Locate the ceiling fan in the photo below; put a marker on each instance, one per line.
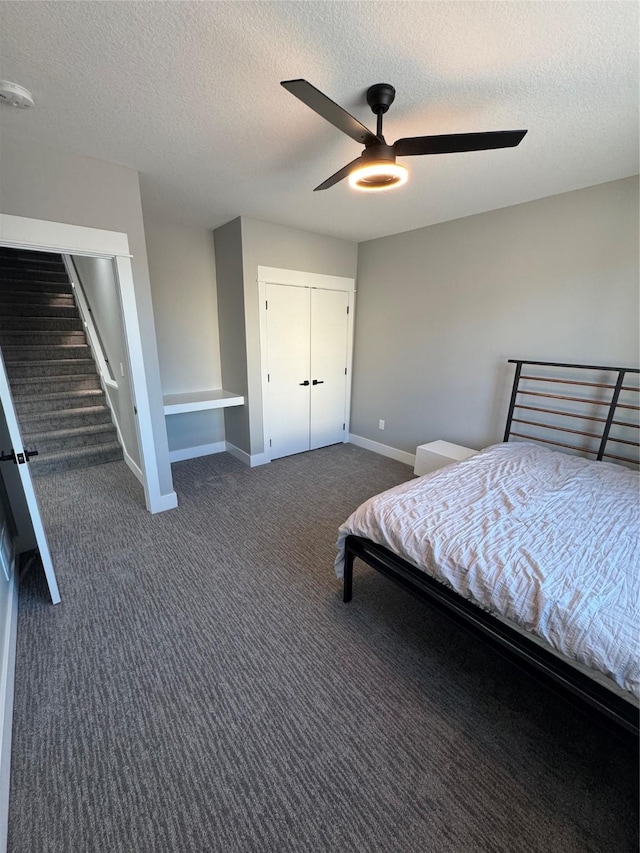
(376, 167)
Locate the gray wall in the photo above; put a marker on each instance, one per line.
(97, 276)
(41, 182)
(440, 309)
(182, 267)
(266, 244)
(241, 246)
(231, 318)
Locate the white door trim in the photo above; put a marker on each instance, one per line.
(19, 232)
(39, 234)
(297, 278)
(300, 279)
(347, 413)
(264, 376)
(133, 346)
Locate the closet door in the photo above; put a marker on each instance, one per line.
(287, 325)
(328, 346)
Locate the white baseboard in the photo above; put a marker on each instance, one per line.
(7, 676)
(194, 452)
(162, 503)
(133, 466)
(159, 504)
(383, 449)
(219, 447)
(250, 461)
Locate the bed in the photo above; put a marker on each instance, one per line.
(530, 545)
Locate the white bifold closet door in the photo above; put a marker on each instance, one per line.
(328, 345)
(289, 360)
(307, 344)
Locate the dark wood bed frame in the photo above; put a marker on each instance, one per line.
(609, 412)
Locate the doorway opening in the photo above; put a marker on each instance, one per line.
(39, 236)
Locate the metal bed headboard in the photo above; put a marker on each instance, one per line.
(600, 407)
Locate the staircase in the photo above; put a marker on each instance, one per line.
(61, 407)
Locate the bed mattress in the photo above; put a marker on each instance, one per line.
(546, 540)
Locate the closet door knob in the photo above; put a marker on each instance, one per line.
(306, 382)
(318, 381)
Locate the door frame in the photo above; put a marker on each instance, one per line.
(309, 280)
(18, 232)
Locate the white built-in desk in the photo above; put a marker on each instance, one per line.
(197, 401)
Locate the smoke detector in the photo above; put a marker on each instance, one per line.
(15, 95)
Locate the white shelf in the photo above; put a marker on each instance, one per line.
(197, 401)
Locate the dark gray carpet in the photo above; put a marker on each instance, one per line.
(202, 688)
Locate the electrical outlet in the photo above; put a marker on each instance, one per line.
(380, 424)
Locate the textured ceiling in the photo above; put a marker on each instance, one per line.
(188, 94)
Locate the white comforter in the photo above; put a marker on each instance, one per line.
(548, 540)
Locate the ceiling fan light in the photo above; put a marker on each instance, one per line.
(378, 176)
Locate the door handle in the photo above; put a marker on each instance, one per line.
(17, 458)
(306, 382)
(318, 381)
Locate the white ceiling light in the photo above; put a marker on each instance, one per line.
(15, 95)
(378, 176)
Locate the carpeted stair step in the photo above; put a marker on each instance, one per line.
(38, 310)
(25, 288)
(35, 285)
(40, 338)
(45, 353)
(51, 367)
(46, 266)
(56, 441)
(40, 272)
(29, 260)
(98, 454)
(37, 385)
(57, 401)
(13, 268)
(35, 298)
(24, 257)
(32, 323)
(17, 266)
(27, 256)
(64, 419)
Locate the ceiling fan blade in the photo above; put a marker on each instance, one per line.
(330, 111)
(452, 142)
(339, 176)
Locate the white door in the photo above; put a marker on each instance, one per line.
(19, 486)
(329, 342)
(288, 368)
(307, 335)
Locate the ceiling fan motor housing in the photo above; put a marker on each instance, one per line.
(380, 96)
(378, 153)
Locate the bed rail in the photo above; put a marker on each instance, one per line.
(602, 704)
(589, 409)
